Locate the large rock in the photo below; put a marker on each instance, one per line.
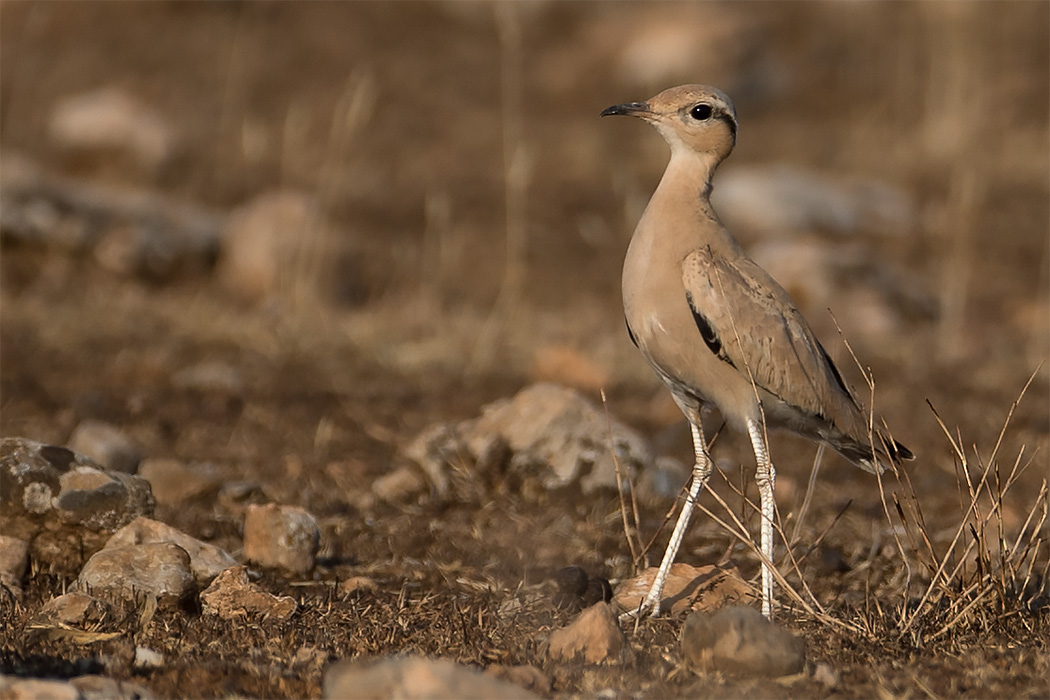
(414, 678)
(63, 503)
(552, 433)
(161, 569)
(206, 560)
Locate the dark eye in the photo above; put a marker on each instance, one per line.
(701, 112)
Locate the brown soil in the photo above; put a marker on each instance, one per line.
(410, 328)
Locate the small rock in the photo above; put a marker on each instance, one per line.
(263, 244)
(72, 609)
(210, 376)
(594, 637)
(414, 678)
(175, 482)
(402, 485)
(107, 445)
(530, 678)
(825, 675)
(663, 480)
(356, 584)
(236, 496)
(739, 641)
(161, 569)
(146, 658)
(14, 560)
(309, 656)
(281, 536)
(687, 588)
(102, 688)
(15, 688)
(112, 120)
(232, 595)
(206, 560)
(566, 365)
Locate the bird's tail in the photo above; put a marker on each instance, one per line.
(887, 452)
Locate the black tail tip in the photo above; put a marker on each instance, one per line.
(899, 453)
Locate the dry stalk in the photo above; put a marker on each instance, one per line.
(1003, 576)
(518, 160)
(635, 558)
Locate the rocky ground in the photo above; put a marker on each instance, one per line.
(313, 377)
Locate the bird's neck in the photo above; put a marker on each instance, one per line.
(685, 189)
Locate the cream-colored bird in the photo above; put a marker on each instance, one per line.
(718, 329)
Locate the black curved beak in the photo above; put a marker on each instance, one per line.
(629, 109)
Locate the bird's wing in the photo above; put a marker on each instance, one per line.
(746, 319)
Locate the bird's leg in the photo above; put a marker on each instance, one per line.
(766, 479)
(701, 472)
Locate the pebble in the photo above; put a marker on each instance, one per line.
(102, 688)
(403, 485)
(563, 364)
(107, 445)
(174, 482)
(414, 678)
(146, 658)
(14, 560)
(16, 688)
(211, 376)
(161, 569)
(206, 560)
(72, 609)
(594, 637)
(232, 595)
(663, 480)
(687, 588)
(79, 688)
(283, 537)
(356, 584)
(825, 675)
(262, 244)
(739, 641)
(530, 678)
(112, 120)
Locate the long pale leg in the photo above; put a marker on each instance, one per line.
(766, 479)
(701, 472)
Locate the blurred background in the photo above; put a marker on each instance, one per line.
(404, 210)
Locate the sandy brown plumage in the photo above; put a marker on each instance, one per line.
(717, 328)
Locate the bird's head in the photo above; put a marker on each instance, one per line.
(696, 118)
